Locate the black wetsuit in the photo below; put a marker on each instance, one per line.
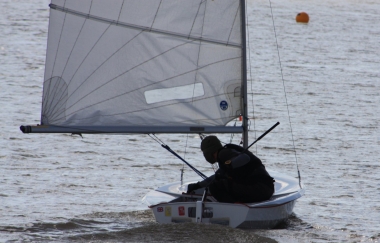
(241, 177)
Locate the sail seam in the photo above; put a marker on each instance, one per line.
(155, 16)
(138, 27)
(121, 9)
(195, 18)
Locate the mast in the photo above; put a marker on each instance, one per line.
(244, 74)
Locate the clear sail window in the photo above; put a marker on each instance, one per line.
(175, 93)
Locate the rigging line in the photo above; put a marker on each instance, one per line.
(121, 9)
(195, 18)
(187, 138)
(232, 134)
(141, 28)
(286, 99)
(155, 138)
(250, 74)
(184, 156)
(155, 16)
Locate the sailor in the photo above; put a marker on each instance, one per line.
(241, 176)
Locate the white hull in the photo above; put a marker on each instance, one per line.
(170, 205)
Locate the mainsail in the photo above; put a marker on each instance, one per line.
(143, 66)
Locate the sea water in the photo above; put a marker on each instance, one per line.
(320, 80)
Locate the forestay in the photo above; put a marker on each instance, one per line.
(143, 66)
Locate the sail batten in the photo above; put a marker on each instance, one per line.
(144, 64)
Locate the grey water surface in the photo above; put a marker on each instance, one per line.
(63, 188)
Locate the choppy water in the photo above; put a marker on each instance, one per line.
(63, 188)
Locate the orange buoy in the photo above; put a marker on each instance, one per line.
(302, 18)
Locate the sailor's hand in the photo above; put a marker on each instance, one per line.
(192, 187)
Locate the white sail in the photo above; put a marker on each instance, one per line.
(143, 64)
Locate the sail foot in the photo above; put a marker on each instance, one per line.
(129, 129)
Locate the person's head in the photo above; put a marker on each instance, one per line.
(209, 146)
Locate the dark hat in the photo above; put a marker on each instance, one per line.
(209, 146)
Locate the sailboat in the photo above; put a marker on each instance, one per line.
(153, 67)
